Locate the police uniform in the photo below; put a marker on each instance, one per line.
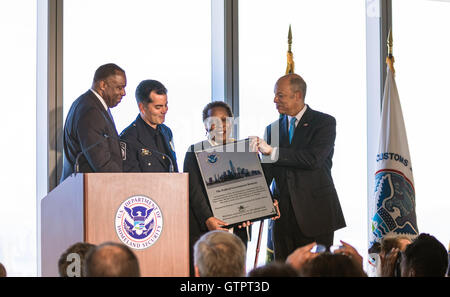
(140, 144)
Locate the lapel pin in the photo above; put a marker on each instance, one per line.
(305, 125)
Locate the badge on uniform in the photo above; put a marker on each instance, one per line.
(172, 147)
(123, 150)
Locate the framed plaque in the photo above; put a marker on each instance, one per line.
(235, 183)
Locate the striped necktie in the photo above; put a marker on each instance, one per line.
(292, 128)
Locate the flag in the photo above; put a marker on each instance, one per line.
(289, 70)
(392, 210)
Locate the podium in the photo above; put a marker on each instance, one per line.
(84, 207)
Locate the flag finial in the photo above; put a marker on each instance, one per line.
(289, 38)
(390, 58)
(290, 55)
(390, 43)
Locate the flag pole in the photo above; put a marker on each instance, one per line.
(258, 244)
(289, 69)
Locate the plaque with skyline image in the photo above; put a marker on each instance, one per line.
(235, 183)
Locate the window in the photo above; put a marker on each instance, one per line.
(329, 53)
(422, 67)
(149, 40)
(18, 118)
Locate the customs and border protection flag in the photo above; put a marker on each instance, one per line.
(392, 210)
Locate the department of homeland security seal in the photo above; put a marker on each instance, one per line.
(139, 222)
(212, 158)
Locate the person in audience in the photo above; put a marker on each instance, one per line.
(111, 260)
(448, 269)
(388, 243)
(303, 256)
(274, 269)
(328, 264)
(2, 271)
(71, 262)
(424, 257)
(220, 254)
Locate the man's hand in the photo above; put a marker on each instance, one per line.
(301, 255)
(213, 223)
(258, 144)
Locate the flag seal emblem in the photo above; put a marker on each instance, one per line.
(139, 222)
(395, 211)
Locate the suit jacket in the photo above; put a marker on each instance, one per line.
(87, 123)
(302, 172)
(138, 144)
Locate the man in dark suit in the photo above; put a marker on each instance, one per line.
(89, 131)
(297, 154)
(148, 143)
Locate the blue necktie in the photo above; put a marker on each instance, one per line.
(292, 128)
(111, 117)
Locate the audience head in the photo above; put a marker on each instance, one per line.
(424, 257)
(2, 270)
(76, 252)
(274, 269)
(394, 241)
(331, 265)
(390, 247)
(219, 253)
(111, 260)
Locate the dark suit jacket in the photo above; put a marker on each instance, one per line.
(302, 172)
(138, 143)
(87, 122)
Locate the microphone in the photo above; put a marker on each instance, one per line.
(171, 168)
(76, 166)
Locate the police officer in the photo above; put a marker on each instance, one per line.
(147, 144)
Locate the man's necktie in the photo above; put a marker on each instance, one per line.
(110, 116)
(292, 128)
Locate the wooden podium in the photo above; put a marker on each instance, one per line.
(83, 209)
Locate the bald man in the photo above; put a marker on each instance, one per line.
(111, 260)
(297, 156)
